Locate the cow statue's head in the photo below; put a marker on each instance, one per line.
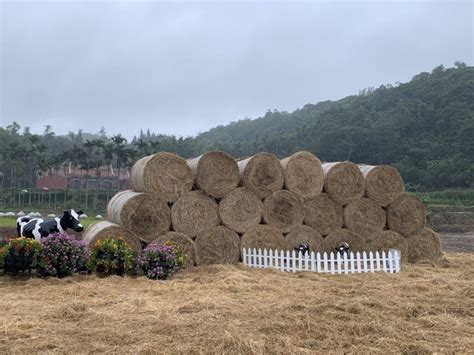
(70, 219)
(302, 248)
(343, 248)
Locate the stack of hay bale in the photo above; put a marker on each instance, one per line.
(212, 206)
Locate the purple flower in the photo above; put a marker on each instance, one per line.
(62, 255)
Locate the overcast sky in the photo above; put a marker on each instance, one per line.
(184, 68)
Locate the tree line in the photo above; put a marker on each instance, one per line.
(424, 127)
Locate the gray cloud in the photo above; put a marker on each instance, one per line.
(186, 67)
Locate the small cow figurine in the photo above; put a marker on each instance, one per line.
(303, 248)
(38, 228)
(343, 248)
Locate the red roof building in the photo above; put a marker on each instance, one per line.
(103, 178)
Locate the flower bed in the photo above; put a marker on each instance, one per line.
(160, 261)
(60, 255)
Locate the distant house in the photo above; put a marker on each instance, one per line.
(68, 177)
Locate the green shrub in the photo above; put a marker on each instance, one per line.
(3, 252)
(22, 254)
(111, 257)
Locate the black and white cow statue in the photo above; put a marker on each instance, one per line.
(343, 248)
(38, 228)
(303, 248)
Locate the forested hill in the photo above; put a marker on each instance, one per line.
(424, 127)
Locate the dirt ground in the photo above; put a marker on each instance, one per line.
(235, 309)
(462, 242)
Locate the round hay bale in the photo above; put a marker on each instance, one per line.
(385, 240)
(263, 236)
(425, 247)
(215, 173)
(364, 216)
(343, 181)
(218, 245)
(283, 210)
(323, 213)
(306, 234)
(145, 215)
(162, 173)
(240, 209)
(406, 215)
(183, 242)
(193, 213)
(383, 183)
(304, 175)
(262, 173)
(356, 241)
(107, 230)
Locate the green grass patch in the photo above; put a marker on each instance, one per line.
(10, 222)
(455, 198)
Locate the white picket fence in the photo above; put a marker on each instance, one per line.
(333, 263)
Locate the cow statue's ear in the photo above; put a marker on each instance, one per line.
(80, 212)
(66, 211)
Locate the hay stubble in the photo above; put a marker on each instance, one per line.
(364, 216)
(343, 181)
(217, 245)
(163, 173)
(232, 309)
(144, 215)
(193, 213)
(283, 210)
(263, 236)
(383, 183)
(240, 209)
(406, 215)
(323, 213)
(304, 174)
(262, 174)
(215, 173)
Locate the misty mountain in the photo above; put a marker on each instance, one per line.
(424, 127)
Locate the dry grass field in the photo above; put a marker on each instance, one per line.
(229, 309)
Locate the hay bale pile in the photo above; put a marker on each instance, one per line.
(212, 206)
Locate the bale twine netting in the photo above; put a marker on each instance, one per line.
(364, 216)
(262, 173)
(163, 173)
(343, 181)
(385, 240)
(323, 213)
(283, 210)
(425, 247)
(215, 173)
(193, 213)
(108, 230)
(263, 236)
(304, 175)
(306, 234)
(406, 215)
(356, 241)
(240, 209)
(217, 245)
(145, 215)
(184, 243)
(383, 183)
